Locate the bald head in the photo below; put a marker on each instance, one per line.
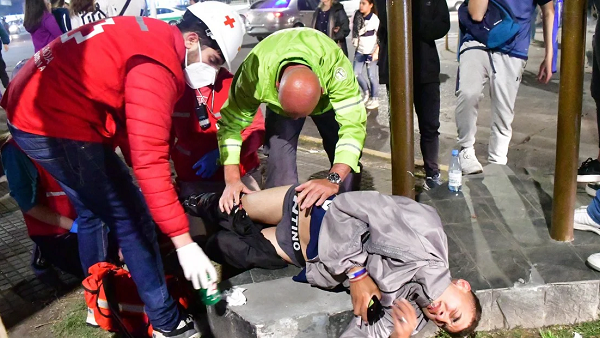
(299, 91)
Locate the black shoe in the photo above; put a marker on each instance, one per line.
(185, 329)
(432, 182)
(203, 205)
(589, 171)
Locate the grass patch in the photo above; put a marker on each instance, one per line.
(587, 330)
(73, 325)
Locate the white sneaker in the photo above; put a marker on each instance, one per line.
(365, 98)
(468, 162)
(594, 261)
(91, 320)
(373, 103)
(584, 222)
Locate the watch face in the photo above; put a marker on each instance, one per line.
(334, 178)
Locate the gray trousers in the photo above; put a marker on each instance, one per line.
(475, 69)
(281, 144)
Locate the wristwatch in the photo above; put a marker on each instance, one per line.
(334, 178)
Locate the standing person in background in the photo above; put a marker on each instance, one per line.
(503, 66)
(331, 19)
(61, 14)
(86, 11)
(5, 41)
(367, 51)
(431, 21)
(40, 23)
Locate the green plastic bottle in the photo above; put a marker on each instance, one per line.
(210, 296)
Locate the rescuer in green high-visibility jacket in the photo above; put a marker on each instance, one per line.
(296, 72)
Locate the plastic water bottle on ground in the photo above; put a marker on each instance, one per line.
(454, 173)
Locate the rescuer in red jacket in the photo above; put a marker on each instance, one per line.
(195, 154)
(123, 73)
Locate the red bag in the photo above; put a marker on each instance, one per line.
(111, 293)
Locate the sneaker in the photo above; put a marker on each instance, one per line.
(589, 171)
(185, 329)
(432, 182)
(373, 103)
(468, 162)
(594, 261)
(592, 188)
(584, 222)
(365, 98)
(91, 319)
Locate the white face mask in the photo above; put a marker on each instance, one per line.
(199, 74)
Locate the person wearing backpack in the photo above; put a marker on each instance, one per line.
(494, 48)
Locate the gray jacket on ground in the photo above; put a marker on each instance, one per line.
(400, 242)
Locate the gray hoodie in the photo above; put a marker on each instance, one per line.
(401, 243)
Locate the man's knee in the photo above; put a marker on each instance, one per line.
(468, 95)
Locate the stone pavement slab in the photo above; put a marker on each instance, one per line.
(498, 239)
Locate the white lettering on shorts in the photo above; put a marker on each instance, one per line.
(295, 240)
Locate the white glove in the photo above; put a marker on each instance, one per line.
(197, 268)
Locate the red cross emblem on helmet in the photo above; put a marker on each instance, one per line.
(229, 21)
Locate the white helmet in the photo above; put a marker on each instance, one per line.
(225, 24)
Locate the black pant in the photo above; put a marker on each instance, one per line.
(281, 143)
(61, 251)
(427, 106)
(3, 75)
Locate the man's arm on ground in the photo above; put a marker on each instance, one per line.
(548, 22)
(477, 9)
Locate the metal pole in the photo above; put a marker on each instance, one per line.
(569, 119)
(401, 97)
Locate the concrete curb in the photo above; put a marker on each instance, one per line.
(283, 308)
(371, 152)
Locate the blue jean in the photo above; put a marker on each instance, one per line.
(98, 183)
(593, 209)
(359, 63)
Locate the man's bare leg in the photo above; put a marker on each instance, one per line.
(265, 206)
(269, 234)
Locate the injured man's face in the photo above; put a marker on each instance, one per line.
(457, 310)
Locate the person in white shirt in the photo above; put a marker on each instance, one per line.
(86, 11)
(367, 52)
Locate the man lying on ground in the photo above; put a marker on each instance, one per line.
(390, 247)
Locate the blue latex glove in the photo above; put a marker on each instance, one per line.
(207, 166)
(74, 227)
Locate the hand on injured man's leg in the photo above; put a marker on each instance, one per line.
(315, 192)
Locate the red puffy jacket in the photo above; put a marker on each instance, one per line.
(118, 73)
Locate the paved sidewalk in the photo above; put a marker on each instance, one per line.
(498, 240)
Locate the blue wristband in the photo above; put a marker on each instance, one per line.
(357, 274)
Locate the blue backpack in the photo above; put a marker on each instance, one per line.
(497, 28)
